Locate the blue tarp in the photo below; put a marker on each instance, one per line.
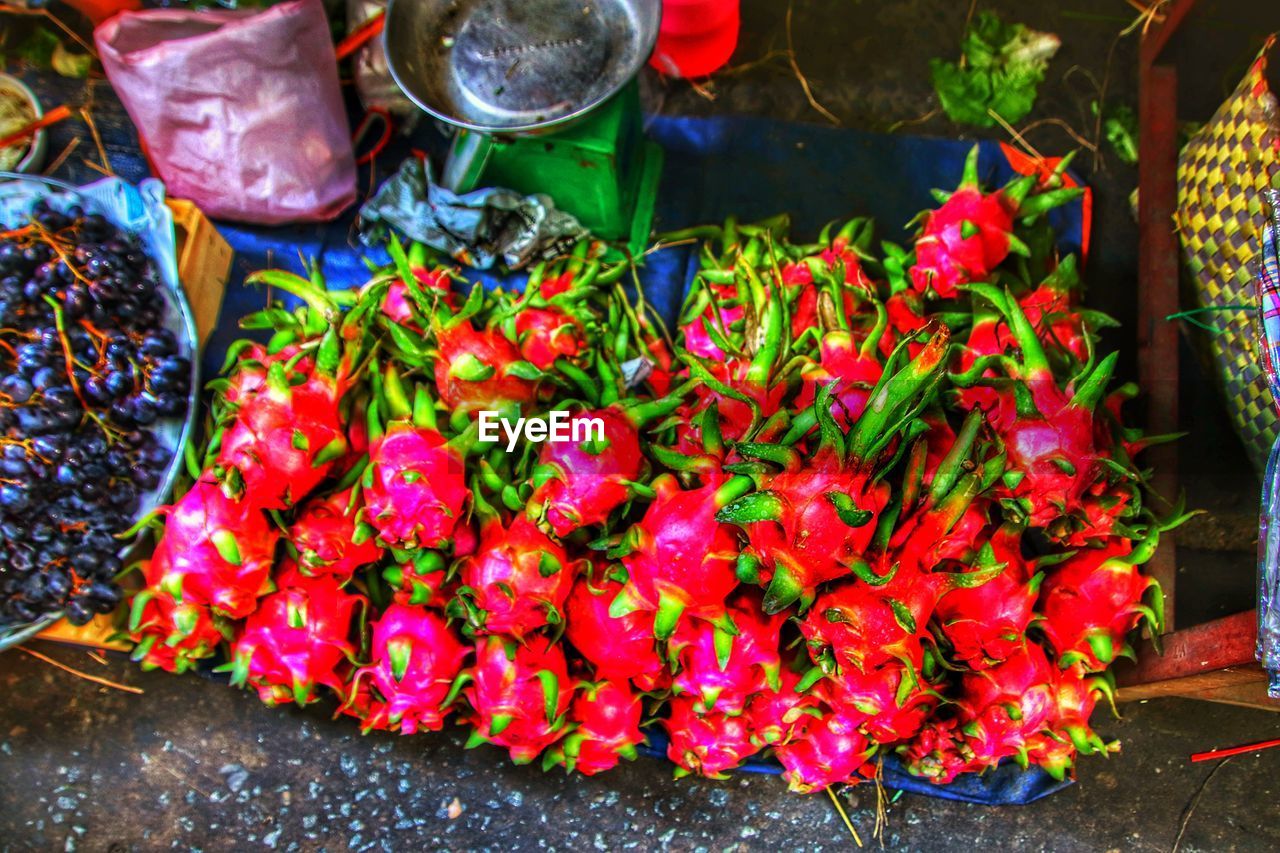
(749, 167)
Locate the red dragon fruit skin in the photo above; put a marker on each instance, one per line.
(169, 634)
(937, 752)
(827, 750)
(808, 544)
(706, 744)
(545, 334)
(606, 719)
(1049, 433)
(775, 717)
(890, 700)
(682, 559)
(721, 316)
(420, 580)
(435, 284)
(416, 658)
(854, 371)
(578, 484)
(619, 648)
(988, 623)
(519, 696)
(296, 640)
(723, 671)
(518, 579)
(964, 239)
(215, 551)
(972, 232)
(284, 439)
(1004, 707)
(473, 371)
(324, 535)
(946, 258)
(1093, 599)
(415, 489)
(867, 626)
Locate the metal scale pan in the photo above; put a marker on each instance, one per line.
(515, 66)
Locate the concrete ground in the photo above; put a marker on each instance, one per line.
(192, 764)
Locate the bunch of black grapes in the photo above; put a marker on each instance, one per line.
(86, 373)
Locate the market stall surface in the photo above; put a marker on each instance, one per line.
(192, 764)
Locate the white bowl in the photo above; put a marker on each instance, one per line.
(33, 160)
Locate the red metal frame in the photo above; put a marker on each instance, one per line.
(1213, 661)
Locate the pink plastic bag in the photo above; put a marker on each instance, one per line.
(240, 112)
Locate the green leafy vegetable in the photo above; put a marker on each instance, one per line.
(999, 69)
(1120, 126)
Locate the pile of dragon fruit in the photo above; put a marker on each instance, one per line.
(862, 501)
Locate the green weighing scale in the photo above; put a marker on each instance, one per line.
(544, 99)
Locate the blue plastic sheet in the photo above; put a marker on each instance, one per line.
(748, 167)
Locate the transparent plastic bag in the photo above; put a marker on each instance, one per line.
(1268, 293)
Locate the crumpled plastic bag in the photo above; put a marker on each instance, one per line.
(1268, 293)
(239, 111)
(476, 228)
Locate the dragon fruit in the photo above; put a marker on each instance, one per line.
(1059, 325)
(284, 437)
(325, 535)
(475, 370)
(890, 701)
(519, 696)
(431, 285)
(987, 623)
(775, 716)
(810, 525)
(828, 749)
(297, 639)
(420, 580)
(1003, 708)
(865, 625)
(283, 441)
(169, 634)
(619, 648)
(215, 551)
(680, 559)
(578, 484)
(1069, 733)
(722, 670)
(1094, 598)
(606, 728)
(414, 488)
(937, 752)
(416, 659)
(855, 368)
(546, 334)
(972, 232)
(1048, 433)
(517, 581)
(706, 744)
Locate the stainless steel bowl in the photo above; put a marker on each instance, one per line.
(516, 66)
(175, 434)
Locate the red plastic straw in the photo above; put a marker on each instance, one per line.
(361, 35)
(52, 117)
(1235, 750)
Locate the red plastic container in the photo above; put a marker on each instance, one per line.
(696, 37)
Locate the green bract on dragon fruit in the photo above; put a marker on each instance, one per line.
(860, 501)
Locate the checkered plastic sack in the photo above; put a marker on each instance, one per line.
(1222, 173)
